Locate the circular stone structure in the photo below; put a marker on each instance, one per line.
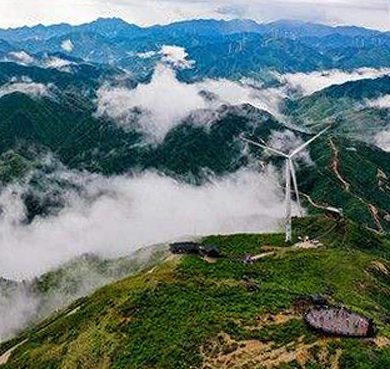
(339, 322)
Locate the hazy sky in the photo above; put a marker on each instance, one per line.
(369, 13)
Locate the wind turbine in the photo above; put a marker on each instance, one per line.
(290, 175)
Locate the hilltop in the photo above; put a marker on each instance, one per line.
(188, 312)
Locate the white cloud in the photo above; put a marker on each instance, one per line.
(67, 46)
(146, 55)
(308, 83)
(115, 216)
(382, 140)
(164, 101)
(16, 310)
(380, 103)
(27, 87)
(21, 305)
(20, 57)
(245, 91)
(58, 63)
(157, 107)
(176, 56)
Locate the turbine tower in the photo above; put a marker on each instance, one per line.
(290, 176)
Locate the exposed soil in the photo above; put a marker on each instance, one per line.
(228, 353)
(5, 357)
(335, 166)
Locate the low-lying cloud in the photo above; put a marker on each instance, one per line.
(308, 83)
(382, 140)
(380, 103)
(158, 106)
(20, 57)
(22, 304)
(163, 103)
(176, 56)
(382, 137)
(17, 308)
(245, 92)
(28, 87)
(115, 216)
(67, 45)
(58, 63)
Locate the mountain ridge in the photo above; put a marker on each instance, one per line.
(240, 21)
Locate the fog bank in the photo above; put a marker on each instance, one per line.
(115, 216)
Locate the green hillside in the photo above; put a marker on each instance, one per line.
(189, 313)
(68, 130)
(347, 107)
(352, 176)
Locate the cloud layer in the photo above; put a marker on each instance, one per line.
(380, 103)
(382, 140)
(58, 63)
(114, 216)
(308, 83)
(156, 107)
(27, 87)
(20, 57)
(287, 141)
(163, 103)
(176, 56)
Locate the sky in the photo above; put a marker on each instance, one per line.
(367, 13)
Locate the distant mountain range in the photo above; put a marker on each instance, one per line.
(116, 27)
(219, 48)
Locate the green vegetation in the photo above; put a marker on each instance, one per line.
(352, 176)
(187, 312)
(65, 128)
(345, 106)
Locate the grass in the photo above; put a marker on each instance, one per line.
(162, 319)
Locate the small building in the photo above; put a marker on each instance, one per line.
(185, 248)
(210, 251)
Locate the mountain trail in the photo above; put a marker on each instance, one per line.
(336, 167)
(5, 357)
(375, 215)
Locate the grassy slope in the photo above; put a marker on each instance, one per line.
(186, 311)
(360, 166)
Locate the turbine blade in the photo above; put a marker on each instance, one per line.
(264, 147)
(295, 183)
(300, 148)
